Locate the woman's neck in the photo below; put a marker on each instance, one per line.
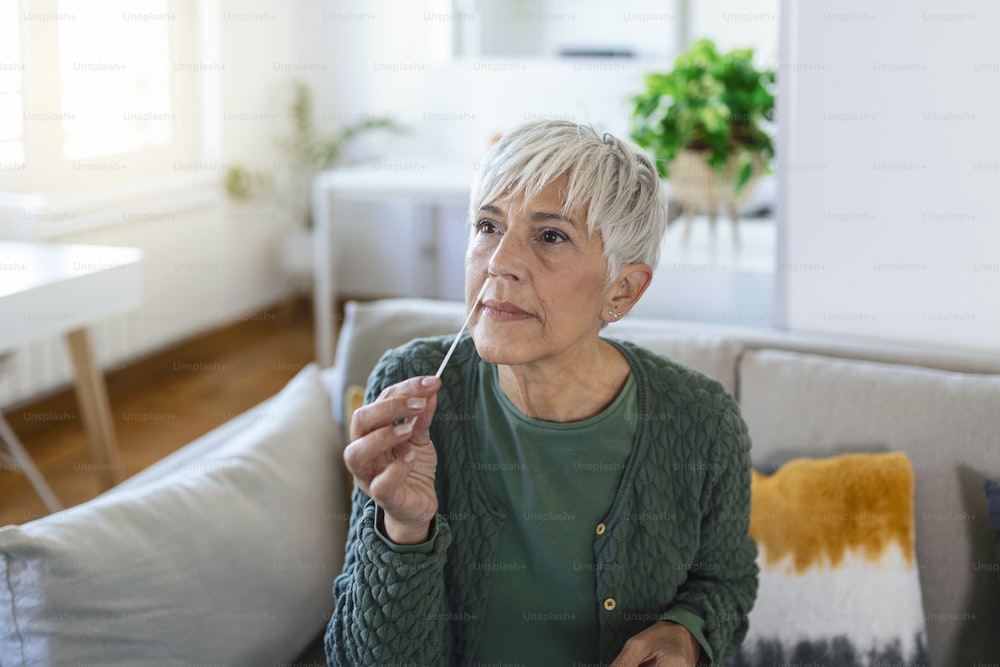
(566, 389)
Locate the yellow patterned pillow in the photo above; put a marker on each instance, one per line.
(838, 576)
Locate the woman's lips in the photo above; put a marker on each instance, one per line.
(504, 311)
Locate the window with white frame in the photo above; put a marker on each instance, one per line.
(91, 93)
(11, 67)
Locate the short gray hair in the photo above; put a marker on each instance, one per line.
(618, 184)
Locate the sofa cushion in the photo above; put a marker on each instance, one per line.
(838, 573)
(228, 560)
(707, 353)
(949, 427)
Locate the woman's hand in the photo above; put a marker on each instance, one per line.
(663, 644)
(393, 460)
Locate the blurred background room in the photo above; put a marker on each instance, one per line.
(271, 160)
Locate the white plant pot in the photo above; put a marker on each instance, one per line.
(698, 188)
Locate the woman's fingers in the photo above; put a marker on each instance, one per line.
(401, 414)
(404, 401)
(384, 412)
(388, 453)
(368, 456)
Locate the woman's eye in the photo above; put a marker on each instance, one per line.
(486, 227)
(552, 236)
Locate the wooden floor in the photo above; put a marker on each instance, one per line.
(189, 389)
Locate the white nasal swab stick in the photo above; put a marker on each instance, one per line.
(454, 343)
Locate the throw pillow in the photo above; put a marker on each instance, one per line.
(838, 576)
(228, 560)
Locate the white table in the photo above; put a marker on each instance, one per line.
(424, 184)
(48, 290)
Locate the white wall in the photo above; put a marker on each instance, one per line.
(889, 168)
(388, 58)
(394, 57)
(207, 261)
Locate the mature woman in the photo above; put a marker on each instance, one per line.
(556, 498)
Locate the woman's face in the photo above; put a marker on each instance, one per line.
(547, 290)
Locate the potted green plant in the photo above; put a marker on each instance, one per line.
(704, 122)
(307, 151)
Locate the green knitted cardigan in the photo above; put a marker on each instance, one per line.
(676, 545)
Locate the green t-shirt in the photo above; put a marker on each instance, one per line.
(556, 483)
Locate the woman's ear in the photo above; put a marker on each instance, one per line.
(630, 284)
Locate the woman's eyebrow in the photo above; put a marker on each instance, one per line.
(542, 216)
(536, 216)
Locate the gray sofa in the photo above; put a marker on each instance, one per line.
(251, 518)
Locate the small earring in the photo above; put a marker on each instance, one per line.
(614, 313)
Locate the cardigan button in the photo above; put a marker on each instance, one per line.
(610, 604)
(600, 529)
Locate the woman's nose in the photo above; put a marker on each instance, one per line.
(507, 259)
